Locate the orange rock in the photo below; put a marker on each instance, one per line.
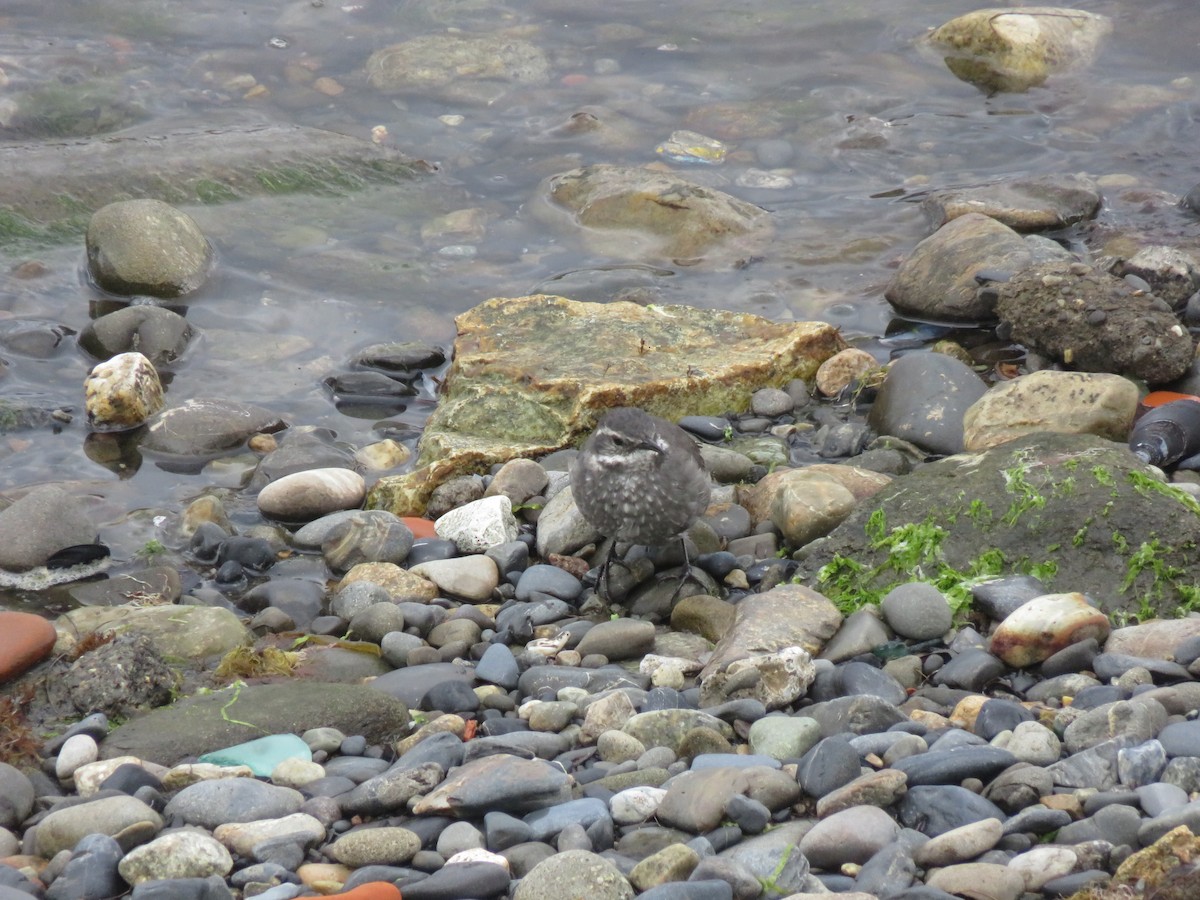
(1158, 398)
(373, 890)
(421, 528)
(25, 640)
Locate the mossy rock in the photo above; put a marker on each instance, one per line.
(1080, 512)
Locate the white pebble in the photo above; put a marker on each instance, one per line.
(77, 751)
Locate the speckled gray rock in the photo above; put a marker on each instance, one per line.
(179, 854)
(375, 846)
(574, 873)
(924, 399)
(479, 525)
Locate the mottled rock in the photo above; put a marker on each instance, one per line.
(771, 636)
(1038, 203)
(1016, 49)
(180, 854)
(1070, 402)
(1045, 625)
(1094, 322)
(122, 393)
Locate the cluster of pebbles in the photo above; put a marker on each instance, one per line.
(563, 743)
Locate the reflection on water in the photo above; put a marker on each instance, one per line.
(831, 98)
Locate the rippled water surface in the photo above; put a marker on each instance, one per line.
(832, 94)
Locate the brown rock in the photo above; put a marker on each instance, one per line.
(25, 640)
(402, 585)
(1094, 322)
(773, 633)
(842, 369)
(656, 215)
(1156, 639)
(1024, 204)
(938, 277)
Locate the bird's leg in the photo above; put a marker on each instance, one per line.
(687, 569)
(603, 585)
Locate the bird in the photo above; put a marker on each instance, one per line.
(641, 480)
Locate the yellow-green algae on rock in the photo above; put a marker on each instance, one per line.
(533, 374)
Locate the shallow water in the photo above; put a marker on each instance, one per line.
(834, 95)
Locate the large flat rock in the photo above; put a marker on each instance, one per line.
(241, 712)
(533, 374)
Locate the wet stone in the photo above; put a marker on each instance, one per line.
(996, 716)
(971, 670)
(543, 579)
(936, 809)
(954, 766)
(146, 247)
(831, 764)
(917, 611)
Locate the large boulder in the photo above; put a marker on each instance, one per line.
(1079, 511)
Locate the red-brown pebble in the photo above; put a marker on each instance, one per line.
(25, 640)
(421, 528)
(373, 890)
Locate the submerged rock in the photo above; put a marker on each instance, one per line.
(653, 214)
(198, 165)
(160, 335)
(460, 67)
(201, 426)
(1023, 204)
(1003, 49)
(146, 247)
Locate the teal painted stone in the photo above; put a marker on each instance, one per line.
(261, 755)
